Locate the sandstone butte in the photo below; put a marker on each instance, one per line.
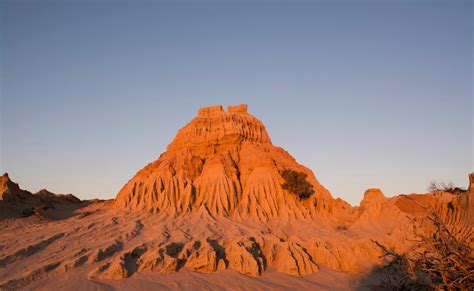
(212, 202)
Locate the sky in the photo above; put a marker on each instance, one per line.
(365, 93)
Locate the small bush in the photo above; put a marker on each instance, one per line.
(443, 187)
(438, 261)
(296, 183)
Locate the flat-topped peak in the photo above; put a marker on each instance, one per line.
(215, 129)
(241, 108)
(219, 109)
(222, 163)
(210, 110)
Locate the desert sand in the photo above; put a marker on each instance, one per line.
(211, 213)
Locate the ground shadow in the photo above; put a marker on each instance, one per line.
(370, 281)
(44, 211)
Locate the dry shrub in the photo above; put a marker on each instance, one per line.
(445, 187)
(296, 183)
(436, 261)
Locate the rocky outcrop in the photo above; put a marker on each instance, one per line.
(10, 192)
(204, 257)
(246, 257)
(372, 196)
(16, 202)
(223, 163)
(395, 216)
(292, 259)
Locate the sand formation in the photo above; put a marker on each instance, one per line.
(222, 163)
(213, 201)
(15, 202)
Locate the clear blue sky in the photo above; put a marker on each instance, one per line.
(366, 94)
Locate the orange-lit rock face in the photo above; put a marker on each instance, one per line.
(222, 173)
(214, 130)
(222, 162)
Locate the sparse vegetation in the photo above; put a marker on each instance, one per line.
(341, 227)
(438, 261)
(296, 183)
(445, 187)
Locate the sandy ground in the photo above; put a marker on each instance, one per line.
(65, 252)
(325, 279)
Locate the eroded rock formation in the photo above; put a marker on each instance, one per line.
(225, 164)
(16, 202)
(222, 166)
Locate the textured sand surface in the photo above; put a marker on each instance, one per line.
(326, 279)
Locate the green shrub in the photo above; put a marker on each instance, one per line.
(296, 183)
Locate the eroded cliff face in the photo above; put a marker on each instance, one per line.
(223, 162)
(10, 192)
(222, 172)
(398, 220)
(16, 202)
